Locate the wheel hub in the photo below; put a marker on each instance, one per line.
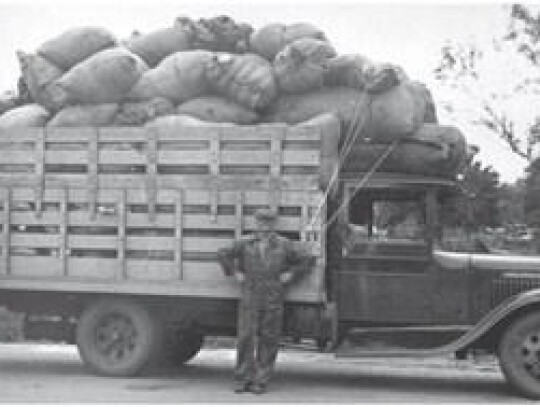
(116, 337)
(530, 354)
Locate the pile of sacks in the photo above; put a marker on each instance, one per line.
(214, 70)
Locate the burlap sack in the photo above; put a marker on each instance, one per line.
(270, 39)
(179, 77)
(154, 46)
(138, 113)
(8, 100)
(171, 122)
(218, 110)
(75, 45)
(85, 115)
(221, 34)
(38, 74)
(301, 65)
(423, 93)
(32, 115)
(247, 79)
(105, 77)
(397, 113)
(347, 70)
(341, 101)
(433, 151)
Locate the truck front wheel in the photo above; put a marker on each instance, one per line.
(519, 355)
(118, 338)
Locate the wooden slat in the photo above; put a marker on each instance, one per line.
(19, 135)
(89, 268)
(150, 243)
(178, 234)
(82, 219)
(36, 266)
(239, 219)
(151, 181)
(151, 270)
(64, 230)
(245, 157)
(92, 182)
(310, 158)
(30, 218)
(123, 134)
(121, 157)
(187, 157)
(35, 240)
(39, 171)
(71, 135)
(6, 234)
(17, 157)
(121, 254)
(204, 271)
(204, 244)
(92, 242)
(66, 156)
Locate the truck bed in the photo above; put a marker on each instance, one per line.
(144, 210)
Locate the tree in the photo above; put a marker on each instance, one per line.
(480, 204)
(498, 86)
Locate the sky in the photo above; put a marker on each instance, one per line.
(407, 34)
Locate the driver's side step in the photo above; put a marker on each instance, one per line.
(399, 341)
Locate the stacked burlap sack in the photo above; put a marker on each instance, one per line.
(221, 71)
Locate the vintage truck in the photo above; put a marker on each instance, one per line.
(109, 236)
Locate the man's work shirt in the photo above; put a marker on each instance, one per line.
(262, 263)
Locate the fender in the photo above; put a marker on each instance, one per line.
(504, 310)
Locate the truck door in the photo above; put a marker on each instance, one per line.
(388, 273)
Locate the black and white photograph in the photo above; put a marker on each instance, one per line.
(269, 202)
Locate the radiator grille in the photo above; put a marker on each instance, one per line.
(507, 286)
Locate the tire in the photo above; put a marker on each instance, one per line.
(182, 345)
(519, 355)
(118, 338)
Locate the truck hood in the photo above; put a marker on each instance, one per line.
(505, 262)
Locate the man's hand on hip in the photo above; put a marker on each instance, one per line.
(286, 277)
(239, 276)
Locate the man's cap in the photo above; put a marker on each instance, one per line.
(265, 214)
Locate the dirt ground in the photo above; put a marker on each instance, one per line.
(45, 373)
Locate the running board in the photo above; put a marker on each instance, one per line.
(400, 341)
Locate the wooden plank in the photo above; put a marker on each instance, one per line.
(151, 170)
(18, 135)
(214, 154)
(66, 156)
(245, 157)
(150, 243)
(92, 268)
(204, 271)
(167, 181)
(238, 227)
(309, 158)
(205, 244)
(151, 270)
(30, 218)
(178, 234)
(17, 157)
(92, 242)
(36, 266)
(188, 157)
(6, 233)
(64, 230)
(121, 253)
(39, 170)
(71, 134)
(92, 182)
(123, 134)
(82, 219)
(121, 157)
(188, 132)
(44, 240)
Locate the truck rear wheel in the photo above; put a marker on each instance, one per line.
(118, 338)
(182, 345)
(519, 355)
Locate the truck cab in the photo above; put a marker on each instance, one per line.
(411, 283)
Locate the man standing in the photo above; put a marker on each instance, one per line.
(264, 263)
